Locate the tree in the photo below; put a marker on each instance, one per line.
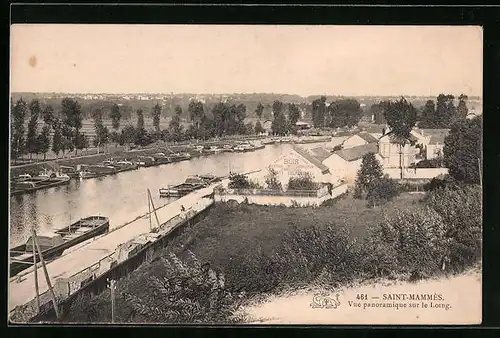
(115, 115)
(318, 112)
(428, 118)
(72, 121)
(44, 141)
(345, 112)
(293, 113)
(462, 150)
(80, 141)
(48, 115)
(277, 108)
(196, 112)
(462, 109)
(101, 131)
(175, 127)
(381, 190)
(18, 114)
(401, 117)
(31, 143)
(57, 139)
(445, 111)
(259, 110)
(272, 181)
(178, 110)
(377, 111)
(156, 113)
(140, 119)
(258, 128)
(370, 171)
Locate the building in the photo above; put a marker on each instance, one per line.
(344, 164)
(394, 155)
(376, 131)
(432, 141)
(359, 140)
(295, 162)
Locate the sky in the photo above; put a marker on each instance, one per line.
(303, 60)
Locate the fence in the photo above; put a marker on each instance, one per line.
(287, 198)
(127, 257)
(417, 173)
(292, 193)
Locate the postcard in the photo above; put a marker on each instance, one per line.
(245, 174)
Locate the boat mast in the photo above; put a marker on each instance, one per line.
(47, 278)
(36, 275)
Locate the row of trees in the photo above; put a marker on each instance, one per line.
(340, 113)
(441, 113)
(65, 128)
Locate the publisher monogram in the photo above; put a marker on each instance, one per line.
(325, 302)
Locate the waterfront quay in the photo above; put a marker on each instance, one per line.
(22, 290)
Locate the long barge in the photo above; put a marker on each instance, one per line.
(29, 185)
(191, 184)
(54, 244)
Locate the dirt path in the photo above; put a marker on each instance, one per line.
(461, 304)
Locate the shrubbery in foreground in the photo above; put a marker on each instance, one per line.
(442, 234)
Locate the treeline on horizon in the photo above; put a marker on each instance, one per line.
(169, 101)
(62, 128)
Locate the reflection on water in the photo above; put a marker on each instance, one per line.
(121, 197)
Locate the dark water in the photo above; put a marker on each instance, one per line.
(121, 197)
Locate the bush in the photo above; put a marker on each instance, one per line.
(416, 238)
(272, 181)
(381, 191)
(303, 182)
(460, 209)
(239, 181)
(437, 182)
(178, 292)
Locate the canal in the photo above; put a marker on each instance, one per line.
(121, 197)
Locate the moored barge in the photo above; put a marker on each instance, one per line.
(53, 244)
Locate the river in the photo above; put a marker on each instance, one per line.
(122, 197)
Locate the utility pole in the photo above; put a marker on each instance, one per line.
(149, 213)
(47, 278)
(154, 209)
(112, 288)
(36, 277)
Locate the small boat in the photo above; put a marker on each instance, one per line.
(244, 148)
(125, 165)
(22, 178)
(70, 171)
(177, 157)
(53, 244)
(43, 175)
(161, 158)
(145, 161)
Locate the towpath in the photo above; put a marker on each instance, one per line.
(24, 291)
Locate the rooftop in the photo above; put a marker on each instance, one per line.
(324, 169)
(355, 153)
(368, 137)
(321, 153)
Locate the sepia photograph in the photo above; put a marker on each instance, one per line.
(245, 174)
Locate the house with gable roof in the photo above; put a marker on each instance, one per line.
(359, 139)
(344, 164)
(295, 162)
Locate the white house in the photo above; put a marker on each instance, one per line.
(295, 162)
(359, 140)
(432, 140)
(394, 155)
(344, 164)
